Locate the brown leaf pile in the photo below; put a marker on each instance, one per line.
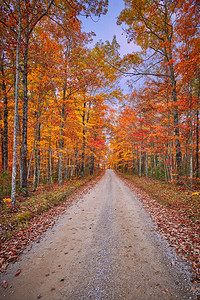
(175, 226)
(36, 227)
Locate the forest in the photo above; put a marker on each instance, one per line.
(62, 112)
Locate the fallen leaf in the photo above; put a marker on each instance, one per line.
(4, 284)
(17, 274)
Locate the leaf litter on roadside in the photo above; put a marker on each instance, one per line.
(11, 248)
(174, 226)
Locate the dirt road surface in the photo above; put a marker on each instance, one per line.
(104, 247)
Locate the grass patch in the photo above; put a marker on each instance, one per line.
(169, 195)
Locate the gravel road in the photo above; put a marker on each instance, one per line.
(104, 247)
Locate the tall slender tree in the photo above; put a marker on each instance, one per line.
(151, 26)
(14, 169)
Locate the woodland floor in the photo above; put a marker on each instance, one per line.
(104, 246)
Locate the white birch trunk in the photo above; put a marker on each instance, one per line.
(14, 168)
(60, 166)
(140, 163)
(146, 164)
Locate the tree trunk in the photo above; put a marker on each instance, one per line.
(25, 118)
(5, 117)
(33, 149)
(197, 133)
(165, 165)
(2, 156)
(48, 161)
(71, 172)
(35, 170)
(146, 164)
(14, 168)
(169, 146)
(20, 150)
(28, 29)
(170, 160)
(84, 140)
(191, 141)
(140, 163)
(51, 167)
(151, 165)
(61, 143)
(67, 168)
(60, 162)
(176, 124)
(92, 165)
(159, 165)
(133, 161)
(36, 174)
(169, 57)
(38, 156)
(197, 144)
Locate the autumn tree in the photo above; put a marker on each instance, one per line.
(187, 29)
(31, 15)
(151, 26)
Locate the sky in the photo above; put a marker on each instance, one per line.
(105, 28)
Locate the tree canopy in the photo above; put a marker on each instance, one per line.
(62, 112)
